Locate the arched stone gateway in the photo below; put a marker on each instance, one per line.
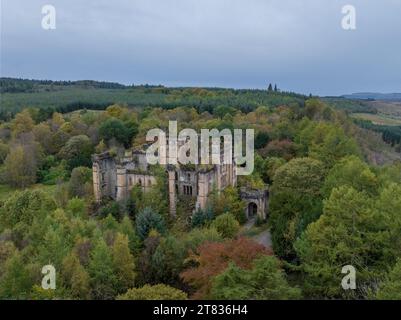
(256, 202)
(252, 210)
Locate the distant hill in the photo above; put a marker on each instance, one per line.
(373, 96)
(12, 85)
(68, 96)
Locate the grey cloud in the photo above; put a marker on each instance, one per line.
(298, 44)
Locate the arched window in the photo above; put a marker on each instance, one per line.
(140, 182)
(189, 177)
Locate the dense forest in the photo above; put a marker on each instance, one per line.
(68, 96)
(63, 97)
(330, 204)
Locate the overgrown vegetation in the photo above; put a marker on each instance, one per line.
(329, 206)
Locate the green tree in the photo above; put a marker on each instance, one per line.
(44, 136)
(101, 270)
(22, 123)
(19, 210)
(301, 175)
(390, 174)
(201, 217)
(20, 167)
(228, 201)
(335, 145)
(77, 152)
(111, 208)
(221, 111)
(51, 171)
(114, 128)
(388, 208)
(325, 142)
(58, 141)
(226, 225)
(75, 277)
(134, 242)
(53, 247)
(168, 260)
(296, 201)
(7, 249)
(15, 282)
(124, 264)
(76, 207)
(80, 184)
(390, 288)
(147, 272)
(349, 232)
(313, 107)
(198, 236)
(156, 292)
(265, 281)
(353, 172)
(147, 220)
(269, 168)
(4, 149)
(117, 111)
(38, 293)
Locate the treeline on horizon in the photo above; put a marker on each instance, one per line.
(15, 85)
(69, 96)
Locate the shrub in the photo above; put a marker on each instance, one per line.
(156, 292)
(226, 225)
(201, 217)
(147, 220)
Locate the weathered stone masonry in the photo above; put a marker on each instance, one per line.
(114, 177)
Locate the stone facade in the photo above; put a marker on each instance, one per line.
(257, 202)
(114, 177)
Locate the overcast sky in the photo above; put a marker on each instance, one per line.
(298, 44)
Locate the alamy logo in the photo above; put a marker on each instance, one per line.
(49, 280)
(349, 20)
(349, 281)
(49, 18)
(187, 147)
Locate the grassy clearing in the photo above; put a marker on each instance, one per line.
(379, 119)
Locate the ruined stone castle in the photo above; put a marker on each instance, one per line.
(114, 177)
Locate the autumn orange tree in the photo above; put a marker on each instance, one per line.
(214, 257)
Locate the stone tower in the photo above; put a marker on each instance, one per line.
(171, 189)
